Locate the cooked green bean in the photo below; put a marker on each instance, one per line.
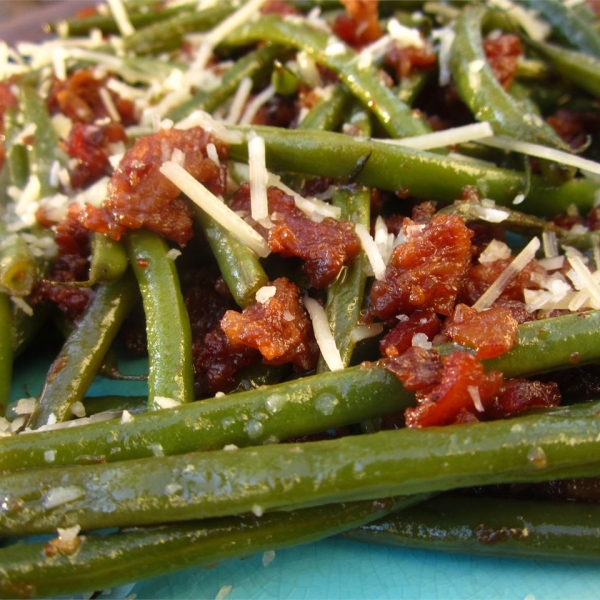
(395, 116)
(289, 476)
(161, 550)
(482, 92)
(415, 172)
(542, 530)
(346, 294)
(292, 409)
(167, 322)
(239, 265)
(80, 358)
(567, 25)
(18, 269)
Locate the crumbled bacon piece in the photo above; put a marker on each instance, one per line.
(426, 271)
(217, 360)
(90, 145)
(503, 53)
(406, 60)
(325, 247)
(71, 265)
(481, 276)
(399, 339)
(520, 395)
(140, 196)
(279, 328)
(359, 25)
(462, 389)
(417, 368)
(574, 127)
(491, 332)
(79, 99)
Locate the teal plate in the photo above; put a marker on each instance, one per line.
(337, 568)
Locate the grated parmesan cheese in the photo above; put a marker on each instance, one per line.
(372, 251)
(552, 154)
(447, 137)
(163, 402)
(514, 268)
(259, 205)
(119, 12)
(323, 335)
(218, 210)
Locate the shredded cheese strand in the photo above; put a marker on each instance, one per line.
(218, 210)
(329, 351)
(259, 205)
(371, 250)
(447, 137)
(119, 12)
(514, 268)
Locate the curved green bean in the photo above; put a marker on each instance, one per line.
(482, 92)
(567, 25)
(329, 112)
(78, 362)
(289, 476)
(167, 322)
(395, 116)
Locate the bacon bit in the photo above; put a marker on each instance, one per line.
(503, 53)
(417, 368)
(408, 59)
(399, 339)
(359, 26)
(61, 546)
(481, 276)
(325, 247)
(425, 272)
(520, 395)
(72, 263)
(452, 397)
(574, 127)
(78, 98)
(90, 145)
(279, 328)
(491, 332)
(217, 360)
(140, 196)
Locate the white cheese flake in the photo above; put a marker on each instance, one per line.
(58, 496)
(514, 268)
(323, 334)
(371, 250)
(259, 206)
(119, 12)
(447, 137)
(208, 202)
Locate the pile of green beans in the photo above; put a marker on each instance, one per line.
(137, 490)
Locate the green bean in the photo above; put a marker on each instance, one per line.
(551, 344)
(16, 155)
(18, 270)
(6, 351)
(346, 294)
(482, 92)
(542, 530)
(109, 259)
(106, 23)
(250, 65)
(44, 150)
(411, 172)
(168, 34)
(396, 117)
(289, 476)
(567, 25)
(581, 68)
(27, 326)
(239, 265)
(284, 80)
(167, 322)
(292, 409)
(149, 552)
(328, 113)
(78, 362)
